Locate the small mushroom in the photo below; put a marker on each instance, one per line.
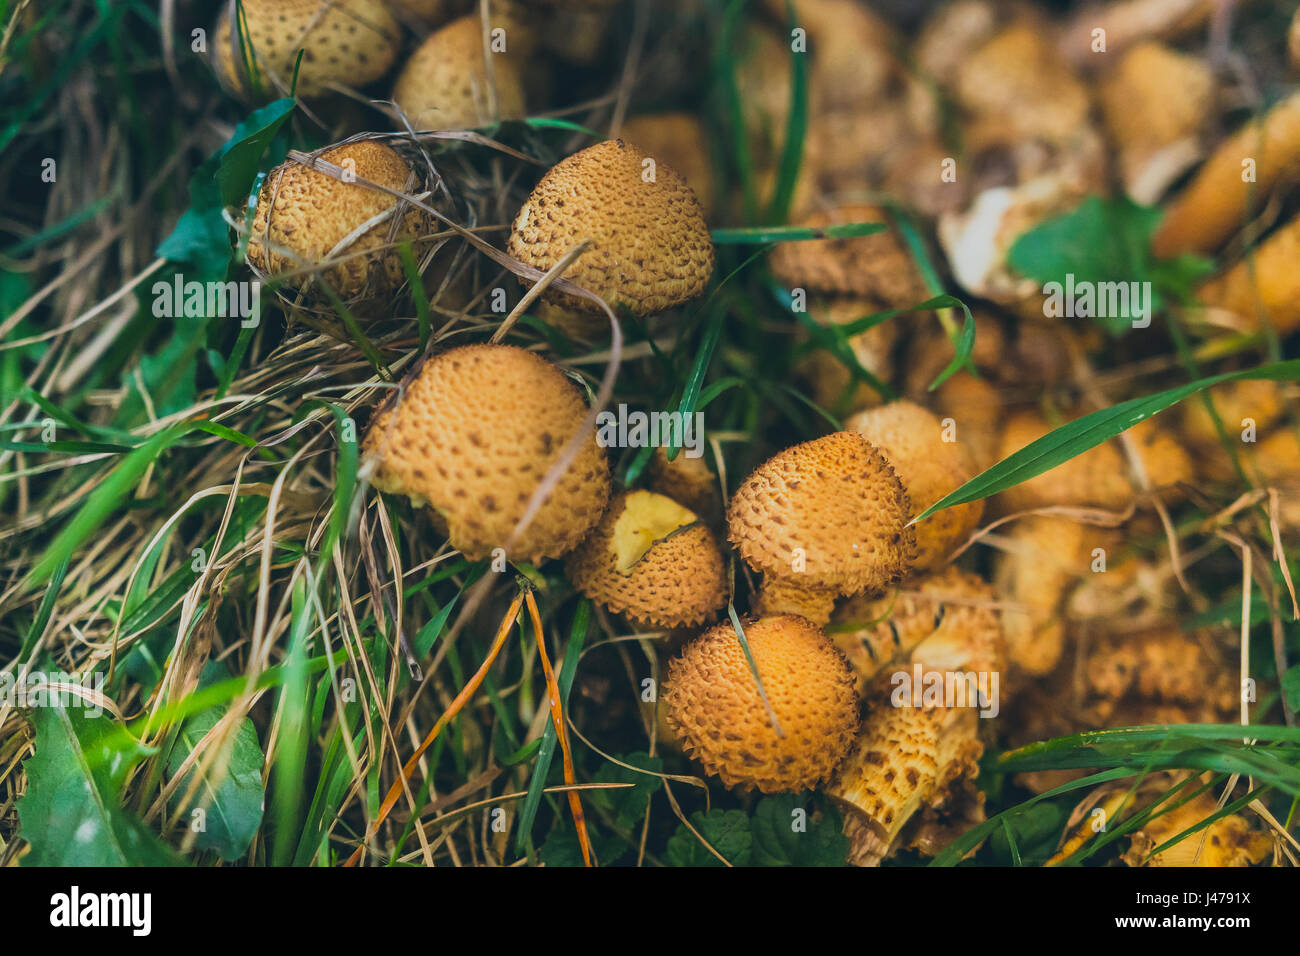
(445, 83)
(688, 480)
(947, 620)
(930, 464)
(714, 706)
(650, 248)
(1228, 841)
(1263, 287)
(306, 216)
(1218, 200)
(473, 436)
(1156, 105)
(830, 513)
(349, 42)
(874, 267)
(652, 560)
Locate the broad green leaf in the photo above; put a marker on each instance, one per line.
(562, 848)
(71, 813)
(232, 804)
(726, 830)
(1076, 437)
(785, 834)
(628, 805)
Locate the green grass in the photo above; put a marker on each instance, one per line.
(200, 530)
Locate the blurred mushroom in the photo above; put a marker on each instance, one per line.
(445, 83)
(1156, 103)
(1263, 287)
(1235, 179)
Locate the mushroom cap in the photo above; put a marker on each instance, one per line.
(1228, 841)
(474, 435)
(309, 212)
(912, 439)
(839, 502)
(714, 706)
(1096, 478)
(875, 266)
(650, 248)
(1156, 104)
(651, 559)
(444, 85)
(947, 620)
(1045, 558)
(679, 140)
(353, 42)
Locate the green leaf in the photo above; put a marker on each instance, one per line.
(1291, 686)
(726, 830)
(562, 848)
(233, 803)
(628, 805)
(796, 129)
(1076, 437)
(200, 237)
(71, 813)
(786, 834)
(1105, 240)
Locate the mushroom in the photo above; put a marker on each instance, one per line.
(944, 620)
(473, 436)
(348, 42)
(679, 140)
(1156, 105)
(1220, 197)
(305, 217)
(904, 761)
(1228, 841)
(650, 248)
(715, 708)
(1263, 287)
(828, 377)
(1098, 477)
(445, 83)
(930, 464)
(875, 267)
(652, 560)
(830, 513)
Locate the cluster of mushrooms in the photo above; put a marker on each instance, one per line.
(847, 590)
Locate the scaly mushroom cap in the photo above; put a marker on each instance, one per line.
(946, 621)
(714, 706)
(444, 84)
(653, 560)
(1046, 557)
(352, 42)
(650, 248)
(876, 267)
(474, 435)
(912, 440)
(309, 212)
(832, 506)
